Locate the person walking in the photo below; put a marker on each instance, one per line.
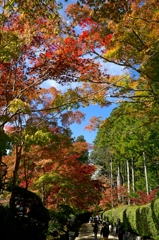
(120, 229)
(95, 229)
(105, 230)
(90, 220)
(69, 231)
(68, 228)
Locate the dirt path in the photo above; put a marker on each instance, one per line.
(86, 233)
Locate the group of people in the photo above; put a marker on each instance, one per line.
(105, 230)
(96, 218)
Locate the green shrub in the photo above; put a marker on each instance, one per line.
(107, 214)
(119, 213)
(153, 219)
(130, 217)
(142, 220)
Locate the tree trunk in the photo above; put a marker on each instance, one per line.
(128, 180)
(17, 163)
(119, 182)
(119, 177)
(15, 172)
(146, 175)
(111, 180)
(133, 176)
(18, 151)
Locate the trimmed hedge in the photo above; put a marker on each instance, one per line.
(142, 220)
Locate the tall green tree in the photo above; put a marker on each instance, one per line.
(131, 145)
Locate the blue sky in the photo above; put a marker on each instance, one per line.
(95, 110)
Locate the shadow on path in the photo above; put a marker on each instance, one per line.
(86, 232)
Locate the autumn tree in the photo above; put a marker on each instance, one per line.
(30, 61)
(113, 32)
(81, 142)
(49, 165)
(59, 177)
(42, 53)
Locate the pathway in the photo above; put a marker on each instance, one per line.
(86, 233)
